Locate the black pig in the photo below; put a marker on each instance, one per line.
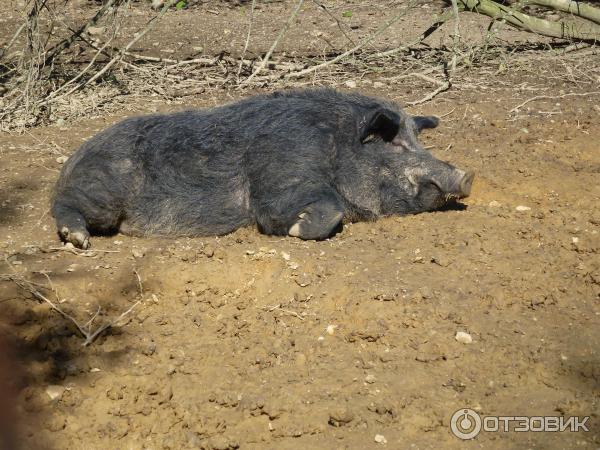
(294, 163)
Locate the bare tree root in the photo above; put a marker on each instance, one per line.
(562, 30)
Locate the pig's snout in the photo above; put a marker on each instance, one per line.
(465, 183)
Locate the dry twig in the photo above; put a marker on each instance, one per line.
(263, 63)
(553, 97)
(86, 330)
(366, 41)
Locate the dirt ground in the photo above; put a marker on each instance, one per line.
(256, 342)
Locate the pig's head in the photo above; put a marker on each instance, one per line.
(411, 179)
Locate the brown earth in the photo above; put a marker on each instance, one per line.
(260, 342)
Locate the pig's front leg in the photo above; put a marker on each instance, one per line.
(318, 220)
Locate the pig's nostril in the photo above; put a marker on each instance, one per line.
(465, 184)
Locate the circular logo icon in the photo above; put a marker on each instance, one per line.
(465, 424)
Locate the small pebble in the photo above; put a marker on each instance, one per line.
(350, 84)
(494, 204)
(138, 253)
(370, 379)
(62, 159)
(303, 280)
(54, 391)
(463, 338)
(285, 256)
(96, 30)
(522, 208)
(380, 439)
(331, 329)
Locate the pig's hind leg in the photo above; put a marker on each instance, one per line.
(78, 213)
(319, 220)
(71, 226)
(309, 214)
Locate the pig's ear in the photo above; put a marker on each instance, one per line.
(423, 122)
(384, 123)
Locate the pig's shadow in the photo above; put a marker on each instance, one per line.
(453, 206)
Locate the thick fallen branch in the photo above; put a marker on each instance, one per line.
(571, 6)
(562, 30)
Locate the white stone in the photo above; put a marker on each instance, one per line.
(463, 338)
(370, 379)
(380, 439)
(54, 391)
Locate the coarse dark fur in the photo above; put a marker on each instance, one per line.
(292, 162)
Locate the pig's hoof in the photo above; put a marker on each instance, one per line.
(79, 238)
(316, 224)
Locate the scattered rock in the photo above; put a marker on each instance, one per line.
(463, 338)
(208, 251)
(55, 392)
(62, 160)
(522, 208)
(380, 439)
(331, 329)
(149, 349)
(370, 379)
(138, 253)
(340, 417)
(95, 31)
(303, 280)
(157, 4)
(441, 261)
(350, 84)
(494, 204)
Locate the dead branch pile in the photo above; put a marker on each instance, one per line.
(43, 76)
